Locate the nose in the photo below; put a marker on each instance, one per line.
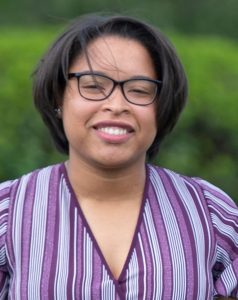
(116, 102)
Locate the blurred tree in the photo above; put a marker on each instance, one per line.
(200, 17)
(204, 144)
(206, 17)
(24, 142)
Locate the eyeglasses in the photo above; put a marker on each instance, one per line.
(96, 87)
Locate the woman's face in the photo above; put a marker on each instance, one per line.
(112, 133)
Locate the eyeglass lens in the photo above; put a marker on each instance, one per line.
(97, 87)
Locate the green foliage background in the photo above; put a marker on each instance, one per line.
(204, 143)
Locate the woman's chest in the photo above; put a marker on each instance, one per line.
(56, 256)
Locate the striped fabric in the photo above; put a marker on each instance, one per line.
(185, 244)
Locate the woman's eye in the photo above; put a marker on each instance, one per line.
(138, 91)
(93, 87)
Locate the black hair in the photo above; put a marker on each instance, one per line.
(51, 74)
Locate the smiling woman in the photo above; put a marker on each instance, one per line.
(106, 224)
(114, 133)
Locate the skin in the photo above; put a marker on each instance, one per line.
(108, 173)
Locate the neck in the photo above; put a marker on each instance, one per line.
(107, 184)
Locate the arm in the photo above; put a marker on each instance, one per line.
(4, 203)
(224, 217)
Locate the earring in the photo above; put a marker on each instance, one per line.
(58, 113)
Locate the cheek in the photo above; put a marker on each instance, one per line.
(77, 114)
(71, 116)
(148, 126)
(153, 127)
(151, 120)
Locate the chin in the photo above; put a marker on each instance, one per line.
(111, 162)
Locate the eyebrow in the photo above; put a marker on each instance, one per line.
(92, 72)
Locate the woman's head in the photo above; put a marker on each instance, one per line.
(51, 75)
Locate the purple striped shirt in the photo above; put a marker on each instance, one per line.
(185, 245)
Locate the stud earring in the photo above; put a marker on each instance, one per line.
(58, 113)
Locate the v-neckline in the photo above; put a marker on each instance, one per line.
(134, 240)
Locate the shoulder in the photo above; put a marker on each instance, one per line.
(197, 187)
(5, 189)
(13, 192)
(11, 188)
(168, 179)
(16, 198)
(199, 197)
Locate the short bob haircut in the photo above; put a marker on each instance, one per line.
(51, 75)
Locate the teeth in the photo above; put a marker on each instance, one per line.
(113, 130)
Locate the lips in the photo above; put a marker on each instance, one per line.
(114, 131)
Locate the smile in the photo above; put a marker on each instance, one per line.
(113, 130)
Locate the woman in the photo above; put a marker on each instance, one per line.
(105, 224)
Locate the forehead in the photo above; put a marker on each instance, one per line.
(115, 54)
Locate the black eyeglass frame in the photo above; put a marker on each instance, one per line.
(121, 83)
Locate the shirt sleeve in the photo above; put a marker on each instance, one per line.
(4, 204)
(224, 217)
